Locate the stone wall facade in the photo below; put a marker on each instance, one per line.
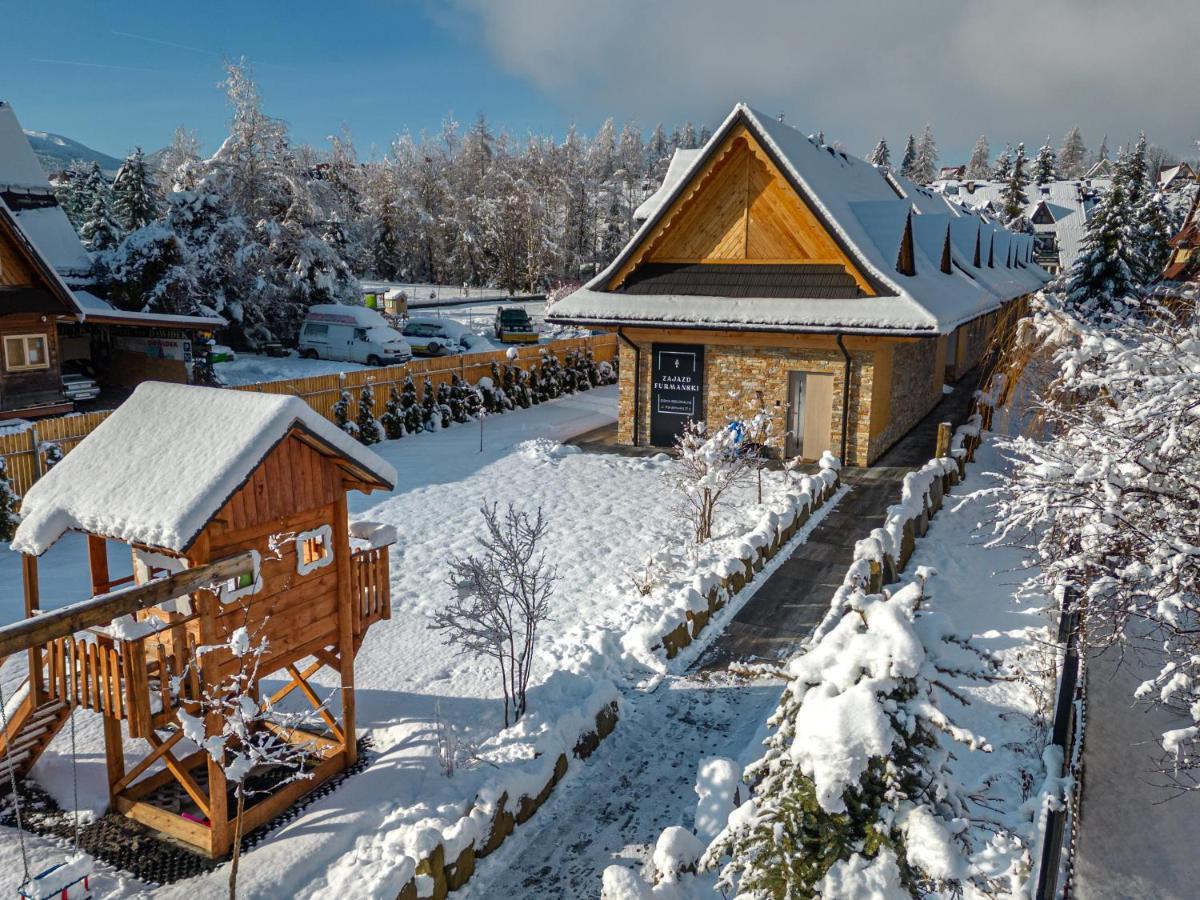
(916, 388)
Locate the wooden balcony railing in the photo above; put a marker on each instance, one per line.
(371, 588)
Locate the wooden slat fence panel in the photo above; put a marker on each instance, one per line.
(22, 452)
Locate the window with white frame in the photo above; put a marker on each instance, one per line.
(314, 549)
(246, 584)
(23, 352)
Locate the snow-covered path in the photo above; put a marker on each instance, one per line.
(612, 809)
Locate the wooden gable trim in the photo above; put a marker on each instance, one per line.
(739, 136)
(41, 269)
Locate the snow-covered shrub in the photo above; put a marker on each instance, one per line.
(1105, 493)
(341, 414)
(393, 415)
(708, 467)
(370, 431)
(444, 412)
(429, 411)
(9, 519)
(414, 419)
(855, 773)
(52, 453)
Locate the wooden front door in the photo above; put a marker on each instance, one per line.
(810, 414)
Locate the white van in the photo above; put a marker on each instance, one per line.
(351, 334)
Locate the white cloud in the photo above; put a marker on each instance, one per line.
(1017, 70)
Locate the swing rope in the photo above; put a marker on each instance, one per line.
(12, 778)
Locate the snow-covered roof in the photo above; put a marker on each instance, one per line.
(865, 211)
(96, 309)
(19, 166)
(677, 170)
(168, 458)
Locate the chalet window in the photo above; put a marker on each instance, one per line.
(314, 549)
(245, 584)
(23, 352)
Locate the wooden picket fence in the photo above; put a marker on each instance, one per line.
(24, 451)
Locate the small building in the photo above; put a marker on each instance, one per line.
(773, 273)
(1183, 266)
(51, 313)
(183, 476)
(1175, 178)
(951, 173)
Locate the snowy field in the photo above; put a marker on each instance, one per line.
(607, 513)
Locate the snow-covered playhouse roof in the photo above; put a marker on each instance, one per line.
(163, 464)
(27, 199)
(867, 211)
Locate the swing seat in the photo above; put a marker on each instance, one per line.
(68, 880)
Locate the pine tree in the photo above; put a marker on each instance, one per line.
(1013, 197)
(925, 165)
(71, 192)
(414, 418)
(909, 160)
(980, 165)
(392, 419)
(1154, 227)
(881, 155)
(1104, 273)
(1003, 168)
(1045, 167)
(457, 399)
(1072, 158)
(341, 414)
(134, 202)
(99, 233)
(1135, 172)
(9, 518)
(428, 407)
(443, 404)
(369, 429)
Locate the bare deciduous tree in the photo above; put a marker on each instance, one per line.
(708, 467)
(502, 596)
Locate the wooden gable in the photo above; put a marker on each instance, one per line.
(739, 208)
(14, 270)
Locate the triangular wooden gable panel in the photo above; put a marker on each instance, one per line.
(14, 270)
(739, 208)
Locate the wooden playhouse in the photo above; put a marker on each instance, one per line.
(234, 508)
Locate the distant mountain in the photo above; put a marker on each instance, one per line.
(56, 152)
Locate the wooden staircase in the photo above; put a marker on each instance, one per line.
(30, 731)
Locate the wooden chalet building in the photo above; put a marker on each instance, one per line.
(773, 272)
(1182, 272)
(50, 313)
(185, 476)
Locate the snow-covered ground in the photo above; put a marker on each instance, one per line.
(250, 368)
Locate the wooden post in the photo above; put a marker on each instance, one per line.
(33, 603)
(98, 564)
(114, 755)
(341, 549)
(209, 607)
(944, 432)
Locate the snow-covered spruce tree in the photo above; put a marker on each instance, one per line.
(414, 413)
(534, 386)
(925, 164)
(9, 518)
(393, 416)
(979, 167)
(134, 193)
(1137, 182)
(1155, 227)
(1014, 198)
(502, 596)
(1103, 276)
(99, 233)
(1045, 166)
(1105, 494)
(1004, 163)
(550, 375)
(457, 399)
(429, 411)
(567, 374)
(370, 431)
(342, 412)
(909, 160)
(71, 191)
(444, 411)
(1073, 157)
(881, 155)
(855, 775)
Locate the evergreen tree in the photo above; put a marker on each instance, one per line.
(1045, 167)
(1014, 198)
(134, 200)
(429, 415)
(369, 429)
(443, 404)
(881, 155)
(1102, 153)
(457, 399)
(1152, 221)
(1104, 273)
(99, 233)
(909, 160)
(9, 518)
(393, 416)
(1003, 168)
(71, 192)
(980, 165)
(1135, 172)
(341, 414)
(414, 416)
(1072, 158)
(925, 165)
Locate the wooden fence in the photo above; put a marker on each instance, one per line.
(25, 451)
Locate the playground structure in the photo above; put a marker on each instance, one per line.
(262, 542)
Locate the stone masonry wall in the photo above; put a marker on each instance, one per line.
(916, 389)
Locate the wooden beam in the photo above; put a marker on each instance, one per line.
(181, 774)
(341, 550)
(29, 576)
(296, 681)
(98, 564)
(169, 823)
(316, 702)
(102, 610)
(162, 747)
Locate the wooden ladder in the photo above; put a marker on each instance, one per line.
(30, 731)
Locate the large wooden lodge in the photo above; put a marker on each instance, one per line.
(772, 272)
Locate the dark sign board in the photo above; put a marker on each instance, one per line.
(676, 390)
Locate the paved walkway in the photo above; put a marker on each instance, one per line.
(784, 611)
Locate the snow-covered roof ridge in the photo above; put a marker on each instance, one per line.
(19, 166)
(860, 205)
(165, 462)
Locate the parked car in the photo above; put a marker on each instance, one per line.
(351, 334)
(79, 380)
(435, 337)
(513, 326)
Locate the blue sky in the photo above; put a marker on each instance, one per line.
(117, 74)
